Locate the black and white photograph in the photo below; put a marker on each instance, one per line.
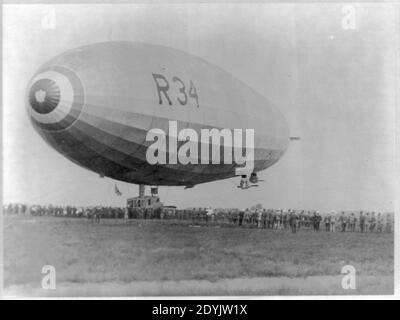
(199, 149)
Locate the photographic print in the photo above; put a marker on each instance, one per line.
(199, 149)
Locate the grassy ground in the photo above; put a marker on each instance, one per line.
(127, 252)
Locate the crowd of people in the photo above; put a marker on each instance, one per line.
(273, 219)
(330, 222)
(64, 211)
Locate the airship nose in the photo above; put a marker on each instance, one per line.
(55, 98)
(44, 96)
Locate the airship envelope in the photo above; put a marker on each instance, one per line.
(97, 104)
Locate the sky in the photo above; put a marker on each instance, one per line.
(332, 78)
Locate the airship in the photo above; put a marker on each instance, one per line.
(96, 105)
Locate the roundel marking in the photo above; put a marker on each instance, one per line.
(44, 96)
(55, 98)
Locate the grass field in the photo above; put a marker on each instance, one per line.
(125, 256)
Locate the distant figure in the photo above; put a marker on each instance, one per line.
(285, 218)
(352, 222)
(97, 217)
(293, 221)
(264, 219)
(372, 223)
(269, 219)
(367, 222)
(333, 222)
(343, 222)
(244, 183)
(88, 213)
(259, 217)
(275, 219)
(388, 227)
(209, 214)
(241, 216)
(362, 222)
(247, 216)
(327, 222)
(317, 221)
(162, 214)
(379, 221)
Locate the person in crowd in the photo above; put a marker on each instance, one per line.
(317, 221)
(241, 218)
(264, 219)
(247, 217)
(367, 222)
(379, 223)
(293, 221)
(270, 219)
(285, 218)
(372, 223)
(327, 222)
(343, 222)
(362, 222)
(352, 222)
(259, 213)
(333, 222)
(389, 223)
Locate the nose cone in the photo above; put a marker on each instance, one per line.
(55, 98)
(44, 96)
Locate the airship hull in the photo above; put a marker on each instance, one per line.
(116, 92)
